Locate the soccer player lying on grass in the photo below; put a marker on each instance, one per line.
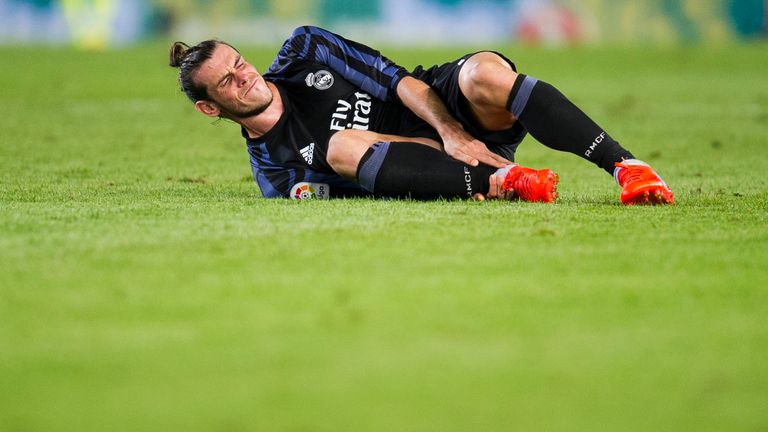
(333, 117)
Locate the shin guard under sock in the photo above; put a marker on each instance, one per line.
(559, 124)
(405, 169)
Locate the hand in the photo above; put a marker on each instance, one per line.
(463, 147)
(420, 98)
(495, 190)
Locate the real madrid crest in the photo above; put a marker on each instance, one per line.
(321, 80)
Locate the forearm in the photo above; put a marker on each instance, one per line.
(417, 96)
(425, 103)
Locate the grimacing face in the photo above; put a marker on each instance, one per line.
(236, 88)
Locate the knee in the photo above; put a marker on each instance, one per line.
(345, 148)
(484, 77)
(336, 156)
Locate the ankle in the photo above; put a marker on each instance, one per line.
(503, 171)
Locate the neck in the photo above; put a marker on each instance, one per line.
(260, 124)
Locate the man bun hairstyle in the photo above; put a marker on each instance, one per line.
(178, 52)
(188, 60)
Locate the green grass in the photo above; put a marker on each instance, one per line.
(145, 285)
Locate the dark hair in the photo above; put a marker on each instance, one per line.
(188, 60)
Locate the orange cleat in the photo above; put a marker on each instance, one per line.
(641, 185)
(531, 185)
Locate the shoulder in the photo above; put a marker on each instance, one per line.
(308, 30)
(300, 44)
(302, 37)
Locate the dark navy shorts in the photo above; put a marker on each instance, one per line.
(444, 79)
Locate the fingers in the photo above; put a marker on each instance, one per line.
(473, 152)
(488, 157)
(492, 190)
(464, 157)
(476, 152)
(501, 159)
(496, 190)
(492, 159)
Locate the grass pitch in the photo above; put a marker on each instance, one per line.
(145, 285)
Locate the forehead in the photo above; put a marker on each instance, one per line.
(214, 68)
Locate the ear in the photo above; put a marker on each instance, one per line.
(211, 109)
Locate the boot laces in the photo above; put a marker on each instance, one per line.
(632, 173)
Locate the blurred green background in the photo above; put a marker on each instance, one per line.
(102, 23)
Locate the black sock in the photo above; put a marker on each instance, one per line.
(405, 169)
(559, 124)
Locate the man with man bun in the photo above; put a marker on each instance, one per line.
(333, 117)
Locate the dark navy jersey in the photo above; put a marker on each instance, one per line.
(327, 83)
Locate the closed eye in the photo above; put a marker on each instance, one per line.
(226, 79)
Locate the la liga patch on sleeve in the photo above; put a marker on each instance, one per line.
(306, 190)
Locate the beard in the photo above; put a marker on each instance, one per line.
(243, 113)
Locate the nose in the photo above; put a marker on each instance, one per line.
(241, 77)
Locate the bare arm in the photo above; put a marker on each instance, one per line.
(425, 103)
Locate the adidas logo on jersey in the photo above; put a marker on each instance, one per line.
(308, 153)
